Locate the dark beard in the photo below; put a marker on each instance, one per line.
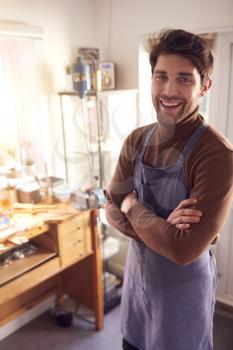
(168, 119)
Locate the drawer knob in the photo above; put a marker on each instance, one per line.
(77, 242)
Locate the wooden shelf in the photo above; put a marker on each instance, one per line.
(36, 231)
(29, 234)
(29, 280)
(20, 266)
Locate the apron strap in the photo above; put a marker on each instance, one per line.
(146, 140)
(188, 146)
(192, 140)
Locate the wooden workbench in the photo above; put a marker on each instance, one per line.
(67, 261)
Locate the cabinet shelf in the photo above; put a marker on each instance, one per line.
(20, 266)
(28, 280)
(28, 234)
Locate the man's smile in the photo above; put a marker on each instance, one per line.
(170, 105)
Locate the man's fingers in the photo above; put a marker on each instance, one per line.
(183, 226)
(183, 216)
(185, 220)
(187, 212)
(187, 203)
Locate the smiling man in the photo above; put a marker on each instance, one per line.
(171, 193)
(176, 88)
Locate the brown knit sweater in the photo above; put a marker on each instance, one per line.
(209, 173)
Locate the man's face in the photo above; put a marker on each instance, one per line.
(176, 88)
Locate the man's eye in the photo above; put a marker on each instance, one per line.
(184, 80)
(160, 77)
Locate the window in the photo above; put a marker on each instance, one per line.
(18, 93)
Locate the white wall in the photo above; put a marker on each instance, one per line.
(129, 19)
(115, 26)
(67, 24)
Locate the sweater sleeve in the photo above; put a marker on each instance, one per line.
(120, 186)
(212, 175)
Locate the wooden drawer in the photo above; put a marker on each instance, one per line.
(76, 224)
(74, 237)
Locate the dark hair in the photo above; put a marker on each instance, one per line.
(180, 42)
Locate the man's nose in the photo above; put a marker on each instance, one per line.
(170, 88)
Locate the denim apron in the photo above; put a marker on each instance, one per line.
(166, 306)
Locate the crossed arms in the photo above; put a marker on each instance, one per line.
(213, 189)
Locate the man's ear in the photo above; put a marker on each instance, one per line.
(205, 87)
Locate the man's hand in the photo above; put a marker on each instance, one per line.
(128, 202)
(183, 216)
